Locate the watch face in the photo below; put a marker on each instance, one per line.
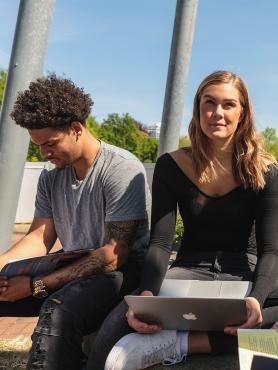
(42, 294)
(39, 289)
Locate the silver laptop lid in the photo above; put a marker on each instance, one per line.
(202, 289)
(189, 313)
(194, 304)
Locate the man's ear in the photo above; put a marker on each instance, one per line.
(76, 128)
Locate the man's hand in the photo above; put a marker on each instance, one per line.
(140, 326)
(254, 317)
(14, 288)
(3, 284)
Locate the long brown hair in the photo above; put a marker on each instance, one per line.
(250, 160)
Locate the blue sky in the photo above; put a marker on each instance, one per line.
(119, 51)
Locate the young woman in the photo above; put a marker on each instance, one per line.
(226, 188)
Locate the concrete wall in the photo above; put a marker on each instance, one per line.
(26, 203)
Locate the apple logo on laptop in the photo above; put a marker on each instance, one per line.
(189, 316)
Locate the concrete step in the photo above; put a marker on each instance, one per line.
(205, 362)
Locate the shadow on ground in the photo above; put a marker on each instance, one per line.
(205, 362)
(13, 354)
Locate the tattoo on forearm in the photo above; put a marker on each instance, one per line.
(122, 234)
(121, 230)
(90, 265)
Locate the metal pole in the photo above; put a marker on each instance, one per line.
(26, 64)
(183, 32)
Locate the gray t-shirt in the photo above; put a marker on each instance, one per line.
(114, 189)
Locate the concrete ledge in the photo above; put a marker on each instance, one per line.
(205, 362)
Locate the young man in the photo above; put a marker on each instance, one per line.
(96, 197)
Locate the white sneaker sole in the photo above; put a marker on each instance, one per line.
(114, 355)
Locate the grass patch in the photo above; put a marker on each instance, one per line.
(14, 353)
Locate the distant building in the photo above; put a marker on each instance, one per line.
(154, 130)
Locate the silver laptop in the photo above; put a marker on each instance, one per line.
(194, 304)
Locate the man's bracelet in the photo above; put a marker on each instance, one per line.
(38, 288)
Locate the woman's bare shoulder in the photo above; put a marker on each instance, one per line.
(183, 158)
(184, 153)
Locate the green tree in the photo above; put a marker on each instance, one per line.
(120, 131)
(125, 132)
(92, 125)
(146, 149)
(271, 141)
(3, 78)
(34, 154)
(184, 142)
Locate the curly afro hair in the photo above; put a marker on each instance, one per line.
(51, 102)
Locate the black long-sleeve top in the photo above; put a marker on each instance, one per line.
(243, 220)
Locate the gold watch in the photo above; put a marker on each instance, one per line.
(38, 288)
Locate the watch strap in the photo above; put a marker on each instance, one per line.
(38, 288)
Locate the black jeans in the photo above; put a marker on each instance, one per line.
(227, 266)
(72, 312)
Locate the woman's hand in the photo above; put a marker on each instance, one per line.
(254, 317)
(140, 326)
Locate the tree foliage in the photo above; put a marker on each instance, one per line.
(184, 142)
(92, 125)
(34, 154)
(271, 141)
(125, 132)
(3, 78)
